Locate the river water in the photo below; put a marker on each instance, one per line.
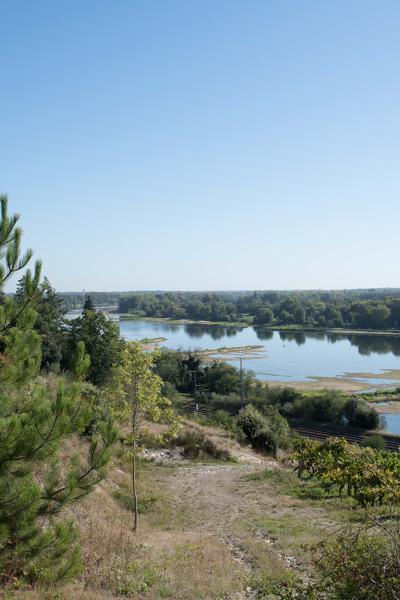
(283, 356)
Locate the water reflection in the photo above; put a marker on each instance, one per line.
(375, 344)
(168, 327)
(216, 332)
(365, 344)
(286, 355)
(264, 334)
(293, 336)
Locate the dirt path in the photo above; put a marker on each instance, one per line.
(214, 496)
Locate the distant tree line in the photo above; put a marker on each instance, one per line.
(76, 300)
(196, 306)
(359, 309)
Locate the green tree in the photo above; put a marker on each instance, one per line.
(264, 315)
(35, 416)
(102, 342)
(135, 395)
(89, 304)
(50, 324)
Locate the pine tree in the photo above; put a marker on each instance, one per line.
(89, 304)
(35, 416)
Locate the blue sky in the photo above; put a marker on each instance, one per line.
(204, 144)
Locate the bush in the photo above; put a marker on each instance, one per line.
(169, 391)
(249, 421)
(374, 441)
(195, 444)
(359, 414)
(361, 567)
(265, 440)
(325, 407)
(224, 419)
(264, 432)
(279, 426)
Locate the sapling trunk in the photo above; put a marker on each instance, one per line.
(134, 491)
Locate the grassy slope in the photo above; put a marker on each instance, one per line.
(208, 530)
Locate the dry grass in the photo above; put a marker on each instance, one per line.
(207, 530)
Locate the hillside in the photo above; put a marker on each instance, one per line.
(209, 529)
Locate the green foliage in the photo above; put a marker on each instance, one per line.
(374, 441)
(249, 421)
(178, 368)
(264, 315)
(265, 440)
(361, 566)
(196, 444)
(207, 307)
(50, 324)
(89, 304)
(135, 395)
(326, 406)
(361, 309)
(35, 416)
(359, 414)
(224, 419)
(369, 477)
(265, 432)
(102, 343)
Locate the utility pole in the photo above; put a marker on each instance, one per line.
(195, 389)
(241, 382)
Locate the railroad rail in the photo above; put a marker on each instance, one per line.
(392, 443)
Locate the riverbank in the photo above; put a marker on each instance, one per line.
(282, 360)
(314, 384)
(168, 321)
(242, 325)
(386, 406)
(348, 383)
(337, 330)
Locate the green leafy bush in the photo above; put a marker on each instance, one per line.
(265, 440)
(361, 567)
(374, 441)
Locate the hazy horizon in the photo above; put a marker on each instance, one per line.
(184, 291)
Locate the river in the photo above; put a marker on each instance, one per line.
(285, 356)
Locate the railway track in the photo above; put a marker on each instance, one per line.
(392, 444)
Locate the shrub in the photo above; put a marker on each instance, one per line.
(224, 419)
(168, 390)
(249, 421)
(265, 440)
(195, 444)
(359, 414)
(263, 432)
(374, 441)
(361, 567)
(279, 426)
